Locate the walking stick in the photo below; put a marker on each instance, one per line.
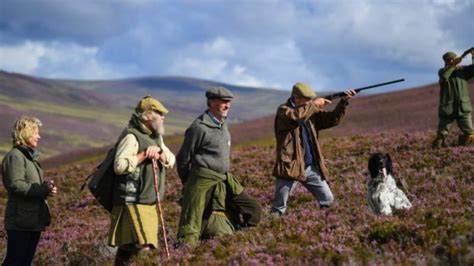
(159, 210)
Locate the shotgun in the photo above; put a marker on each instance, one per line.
(342, 94)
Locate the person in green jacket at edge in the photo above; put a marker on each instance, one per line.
(134, 220)
(454, 101)
(203, 164)
(27, 211)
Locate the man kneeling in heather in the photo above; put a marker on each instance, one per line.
(203, 166)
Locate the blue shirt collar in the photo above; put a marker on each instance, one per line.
(215, 119)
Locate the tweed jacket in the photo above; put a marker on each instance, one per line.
(289, 150)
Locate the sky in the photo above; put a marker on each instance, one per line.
(330, 44)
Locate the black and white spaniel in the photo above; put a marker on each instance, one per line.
(383, 194)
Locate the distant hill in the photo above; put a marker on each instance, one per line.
(79, 115)
(23, 87)
(185, 95)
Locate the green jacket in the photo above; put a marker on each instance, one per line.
(27, 208)
(206, 144)
(201, 180)
(216, 221)
(454, 90)
(139, 186)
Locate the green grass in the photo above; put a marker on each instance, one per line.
(116, 117)
(105, 115)
(263, 142)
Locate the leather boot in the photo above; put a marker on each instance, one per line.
(439, 142)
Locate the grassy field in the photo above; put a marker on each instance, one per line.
(438, 230)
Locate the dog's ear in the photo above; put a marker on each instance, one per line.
(389, 165)
(373, 166)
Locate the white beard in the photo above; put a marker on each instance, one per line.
(158, 128)
(385, 196)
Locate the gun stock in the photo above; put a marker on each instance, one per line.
(342, 94)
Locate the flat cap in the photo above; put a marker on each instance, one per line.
(219, 93)
(303, 90)
(148, 103)
(449, 56)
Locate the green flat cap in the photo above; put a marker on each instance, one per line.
(148, 103)
(303, 90)
(219, 93)
(449, 56)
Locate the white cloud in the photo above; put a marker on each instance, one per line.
(55, 60)
(213, 60)
(328, 43)
(406, 32)
(219, 47)
(23, 58)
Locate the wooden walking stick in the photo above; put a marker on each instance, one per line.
(159, 210)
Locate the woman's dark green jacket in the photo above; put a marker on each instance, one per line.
(27, 208)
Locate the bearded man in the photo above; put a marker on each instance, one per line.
(134, 221)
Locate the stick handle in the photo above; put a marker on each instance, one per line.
(160, 211)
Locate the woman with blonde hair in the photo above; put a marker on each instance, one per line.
(26, 212)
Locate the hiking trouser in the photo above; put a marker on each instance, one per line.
(464, 123)
(21, 247)
(314, 183)
(243, 210)
(223, 216)
(200, 181)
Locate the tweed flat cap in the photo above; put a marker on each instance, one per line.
(219, 93)
(303, 90)
(148, 103)
(449, 55)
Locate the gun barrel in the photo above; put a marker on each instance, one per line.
(341, 94)
(468, 51)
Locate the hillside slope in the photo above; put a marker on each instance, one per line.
(186, 95)
(79, 115)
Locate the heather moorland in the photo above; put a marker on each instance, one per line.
(437, 230)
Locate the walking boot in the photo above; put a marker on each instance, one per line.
(465, 140)
(439, 142)
(122, 257)
(125, 254)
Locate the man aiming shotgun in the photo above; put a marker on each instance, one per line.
(298, 152)
(299, 155)
(454, 100)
